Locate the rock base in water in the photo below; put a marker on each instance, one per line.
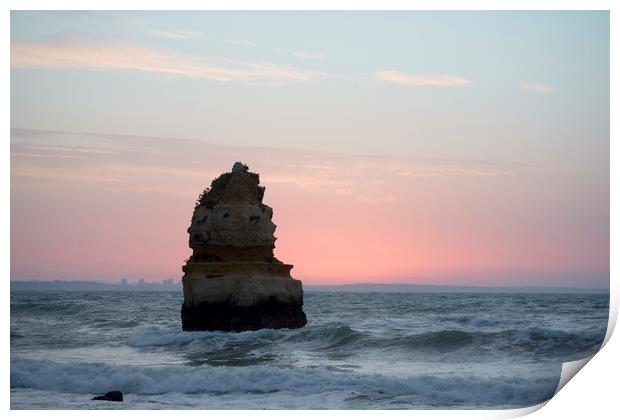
(240, 303)
(230, 317)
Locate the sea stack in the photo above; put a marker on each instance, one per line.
(232, 281)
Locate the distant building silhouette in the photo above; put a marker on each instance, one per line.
(124, 282)
(141, 281)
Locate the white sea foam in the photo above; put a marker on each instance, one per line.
(153, 336)
(94, 378)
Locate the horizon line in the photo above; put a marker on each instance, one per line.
(99, 282)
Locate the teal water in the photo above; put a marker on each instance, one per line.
(358, 351)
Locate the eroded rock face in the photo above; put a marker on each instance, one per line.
(232, 281)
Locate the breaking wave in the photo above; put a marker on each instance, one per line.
(92, 378)
(155, 336)
(341, 337)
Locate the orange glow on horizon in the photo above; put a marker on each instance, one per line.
(123, 211)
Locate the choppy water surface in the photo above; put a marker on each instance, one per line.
(359, 350)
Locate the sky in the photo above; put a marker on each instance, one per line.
(465, 148)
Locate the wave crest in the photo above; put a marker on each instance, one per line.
(90, 378)
(339, 338)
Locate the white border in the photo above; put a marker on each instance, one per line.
(592, 395)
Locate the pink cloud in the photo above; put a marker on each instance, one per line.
(122, 56)
(538, 87)
(397, 77)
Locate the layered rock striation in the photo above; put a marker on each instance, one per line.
(232, 281)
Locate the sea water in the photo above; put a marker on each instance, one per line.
(358, 351)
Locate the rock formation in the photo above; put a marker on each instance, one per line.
(232, 281)
(110, 396)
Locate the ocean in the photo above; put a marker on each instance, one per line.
(358, 351)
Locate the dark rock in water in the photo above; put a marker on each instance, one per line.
(232, 281)
(110, 396)
(223, 316)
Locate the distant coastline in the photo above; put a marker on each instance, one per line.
(89, 285)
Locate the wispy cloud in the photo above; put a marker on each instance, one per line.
(43, 155)
(123, 56)
(538, 87)
(69, 149)
(309, 55)
(397, 77)
(243, 42)
(176, 34)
